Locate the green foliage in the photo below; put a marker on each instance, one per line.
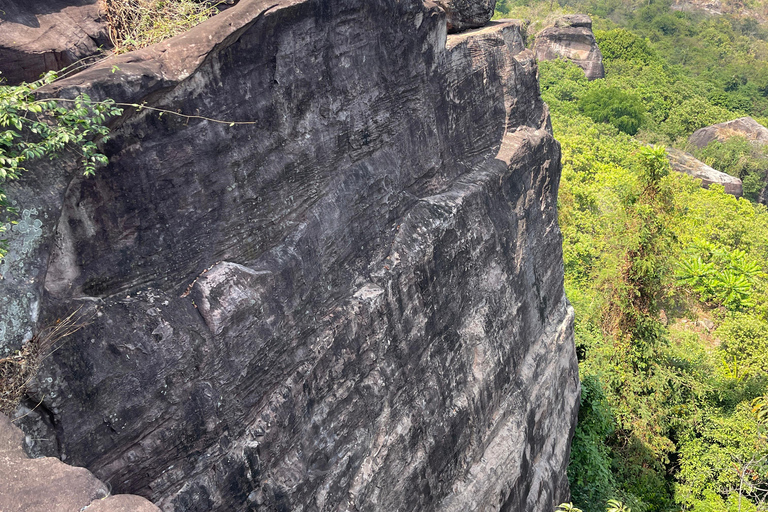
(720, 276)
(612, 506)
(666, 277)
(561, 81)
(743, 346)
(605, 104)
(32, 128)
(691, 114)
(723, 459)
(617, 506)
(589, 474)
(621, 44)
(651, 390)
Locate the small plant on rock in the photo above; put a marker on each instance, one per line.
(32, 128)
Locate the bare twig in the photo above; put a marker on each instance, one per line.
(18, 370)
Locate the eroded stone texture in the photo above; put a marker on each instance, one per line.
(47, 35)
(466, 14)
(49, 484)
(354, 303)
(742, 127)
(688, 164)
(571, 38)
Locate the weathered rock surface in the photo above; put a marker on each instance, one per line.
(49, 484)
(718, 8)
(37, 36)
(571, 38)
(688, 164)
(353, 303)
(713, 7)
(742, 127)
(466, 14)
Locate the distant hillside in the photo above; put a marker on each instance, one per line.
(668, 279)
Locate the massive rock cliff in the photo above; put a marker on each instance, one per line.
(353, 302)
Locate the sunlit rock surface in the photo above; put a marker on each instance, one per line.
(688, 164)
(742, 127)
(47, 35)
(571, 38)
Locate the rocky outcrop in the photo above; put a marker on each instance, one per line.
(37, 36)
(466, 14)
(688, 164)
(571, 38)
(743, 127)
(352, 301)
(718, 8)
(49, 484)
(713, 7)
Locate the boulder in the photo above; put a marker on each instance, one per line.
(351, 301)
(571, 38)
(742, 127)
(49, 484)
(37, 36)
(688, 164)
(574, 21)
(466, 14)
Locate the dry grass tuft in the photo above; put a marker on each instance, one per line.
(18, 370)
(134, 24)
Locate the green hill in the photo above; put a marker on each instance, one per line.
(667, 278)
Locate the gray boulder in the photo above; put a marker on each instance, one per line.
(571, 38)
(354, 300)
(688, 164)
(742, 127)
(466, 14)
(37, 36)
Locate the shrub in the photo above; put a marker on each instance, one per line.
(692, 114)
(605, 104)
(32, 128)
(621, 44)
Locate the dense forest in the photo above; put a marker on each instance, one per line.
(668, 279)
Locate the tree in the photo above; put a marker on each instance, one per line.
(632, 308)
(606, 104)
(621, 44)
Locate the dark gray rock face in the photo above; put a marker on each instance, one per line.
(466, 14)
(571, 38)
(37, 36)
(688, 164)
(353, 303)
